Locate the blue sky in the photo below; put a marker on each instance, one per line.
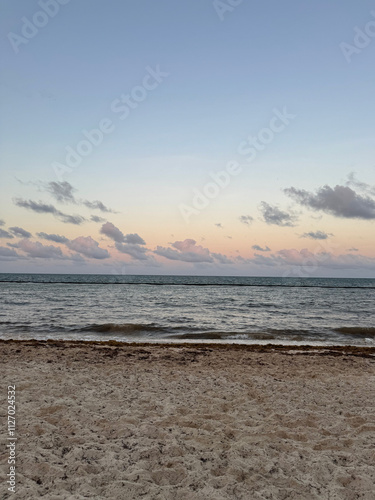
(225, 70)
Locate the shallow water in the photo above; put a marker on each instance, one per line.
(188, 308)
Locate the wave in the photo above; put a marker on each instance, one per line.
(356, 331)
(125, 328)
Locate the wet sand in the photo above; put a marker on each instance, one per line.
(193, 422)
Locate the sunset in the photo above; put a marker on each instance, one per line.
(187, 249)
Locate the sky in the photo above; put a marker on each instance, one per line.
(203, 137)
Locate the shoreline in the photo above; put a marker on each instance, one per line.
(336, 350)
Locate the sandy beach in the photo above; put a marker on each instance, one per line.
(190, 422)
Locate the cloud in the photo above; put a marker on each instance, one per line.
(221, 259)
(275, 216)
(260, 249)
(2, 223)
(317, 235)
(96, 218)
(38, 250)
(71, 219)
(118, 236)
(310, 262)
(246, 219)
(341, 201)
(88, 247)
(112, 232)
(134, 250)
(97, 205)
(219, 225)
(7, 254)
(189, 251)
(61, 191)
(353, 249)
(5, 234)
(18, 231)
(43, 208)
(362, 186)
(53, 237)
(134, 239)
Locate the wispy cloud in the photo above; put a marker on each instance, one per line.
(273, 215)
(246, 219)
(96, 218)
(53, 237)
(43, 208)
(260, 249)
(317, 235)
(361, 186)
(18, 231)
(61, 191)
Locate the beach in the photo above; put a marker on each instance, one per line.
(190, 422)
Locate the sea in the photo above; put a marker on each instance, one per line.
(184, 309)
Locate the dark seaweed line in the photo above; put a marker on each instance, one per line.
(186, 284)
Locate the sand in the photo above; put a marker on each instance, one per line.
(192, 422)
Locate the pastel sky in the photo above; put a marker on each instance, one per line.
(218, 137)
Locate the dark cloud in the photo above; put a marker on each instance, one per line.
(134, 239)
(246, 219)
(96, 218)
(53, 237)
(353, 250)
(38, 250)
(43, 208)
(273, 215)
(341, 201)
(260, 249)
(2, 223)
(112, 232)
(18, 231)
(88, 247)
(5, 234)
(61, 191)
(219, 225)
(118, 236)
(317, 235)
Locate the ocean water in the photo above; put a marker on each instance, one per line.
(188, 309)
